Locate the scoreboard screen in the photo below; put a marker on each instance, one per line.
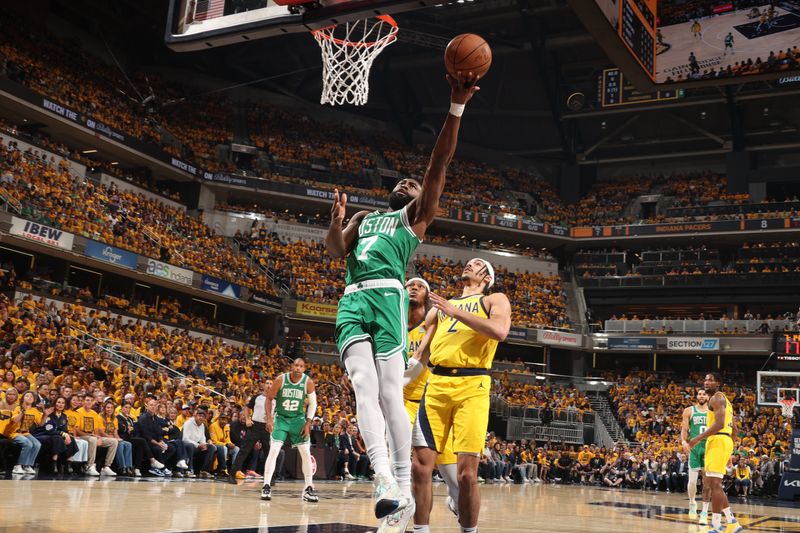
(662, 42)
(639, 35)
(634, 21)
(614, 90)
(787, 351)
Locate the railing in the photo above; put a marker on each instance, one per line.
(601, 435)
(721, 279)
(733, 209)
(282, 287)
(609, 420)
(607, 258)
(118, 353)
(175, 255)
(10, 202)
(696, 326)
(559, 415)
(525, 423)
(658, 256)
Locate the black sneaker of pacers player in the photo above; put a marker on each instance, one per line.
(310, 495)
(266, 492)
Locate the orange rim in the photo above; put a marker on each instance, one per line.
(321, 34)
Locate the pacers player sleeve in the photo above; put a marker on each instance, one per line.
(413, 370)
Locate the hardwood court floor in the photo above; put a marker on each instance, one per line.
(158, 505)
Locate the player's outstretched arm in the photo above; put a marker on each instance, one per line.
(498, 308)
(422, 211)
(339, 242)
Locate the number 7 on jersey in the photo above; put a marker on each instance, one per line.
(368, 242)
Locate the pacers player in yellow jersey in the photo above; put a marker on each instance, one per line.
(461, 336)
(719, 448)
(416, 377)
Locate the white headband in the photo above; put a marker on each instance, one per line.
(421, 281)
(489, 269)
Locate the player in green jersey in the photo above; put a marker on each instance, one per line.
(694, 423)
(295, 404)
(371, 319)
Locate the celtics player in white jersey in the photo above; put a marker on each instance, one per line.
(371, 319)
(294, 402)
(695, 421)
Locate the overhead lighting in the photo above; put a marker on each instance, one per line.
(114, 163)
(89, 151)
(542, 378)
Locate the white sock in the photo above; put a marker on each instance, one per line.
(422, 529)
(390, 376)
(691, 487)
(305, 456)
(729, 515)
(450, 475)
(705, 506)
(716, 520)
(469, 529)
(360, 365)
(272, 459)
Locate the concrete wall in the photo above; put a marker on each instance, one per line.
(126, 186)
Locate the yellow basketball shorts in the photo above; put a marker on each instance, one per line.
(460, 405)
(411, 408)
(446, 456)
(719, 449)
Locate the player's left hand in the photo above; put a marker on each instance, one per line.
(306, 431)
(442, 305)
(686, 446)
(463, 88)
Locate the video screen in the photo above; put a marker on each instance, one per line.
(202, 15)
(706, 40)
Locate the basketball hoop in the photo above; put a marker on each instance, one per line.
(348, 51)
(787, 407)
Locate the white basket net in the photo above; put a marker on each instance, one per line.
(787, 407)
(348, 51)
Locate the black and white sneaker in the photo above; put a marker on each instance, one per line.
(266, 492)
(310, 495)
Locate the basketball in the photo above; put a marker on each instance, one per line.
(468, 53)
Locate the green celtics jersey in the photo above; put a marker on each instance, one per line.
(384, 247)
(697, 422)
(291, 399)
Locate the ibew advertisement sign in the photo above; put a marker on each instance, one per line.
(41, 233)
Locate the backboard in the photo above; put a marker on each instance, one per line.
(773, 386)
(201, 24)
